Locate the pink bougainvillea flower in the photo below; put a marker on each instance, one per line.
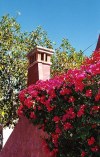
(83, 106)
(70, 114)
(58, 130)
(81, 111)
(22, 95)
(55, 139)
(95, 149)
(95, 109)
(79, 86)
(97, 97)
(39, 108)
(65, 91)
(52, 93)
(56, 119)
(53, 152)
(50, 108)
(42, 99)
(93, 59)
(34, 94)
(20, 110)
(32, 115)
(28, 102)
(64, 117)
(83, 154)
(94, 126)
(71, 99)
(38, 98)
(88, 93)
(91, 141)
(67, 126)
(81, 76)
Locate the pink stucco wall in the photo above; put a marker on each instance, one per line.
(25, 141)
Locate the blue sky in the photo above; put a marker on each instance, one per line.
(76, 20)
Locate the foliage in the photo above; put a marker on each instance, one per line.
(14, 46)
(65, 57)
(67, 108)
(93, 59)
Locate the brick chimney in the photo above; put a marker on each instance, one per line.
(39, 64)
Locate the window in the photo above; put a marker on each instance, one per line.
(42, 56)
(46, 58)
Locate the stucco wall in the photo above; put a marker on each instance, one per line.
(25, 141)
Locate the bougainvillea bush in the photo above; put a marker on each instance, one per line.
(67, 109)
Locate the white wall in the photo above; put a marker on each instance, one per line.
(6, 133)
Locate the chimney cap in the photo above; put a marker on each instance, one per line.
(41, 50)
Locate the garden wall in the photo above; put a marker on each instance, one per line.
(25, 141)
